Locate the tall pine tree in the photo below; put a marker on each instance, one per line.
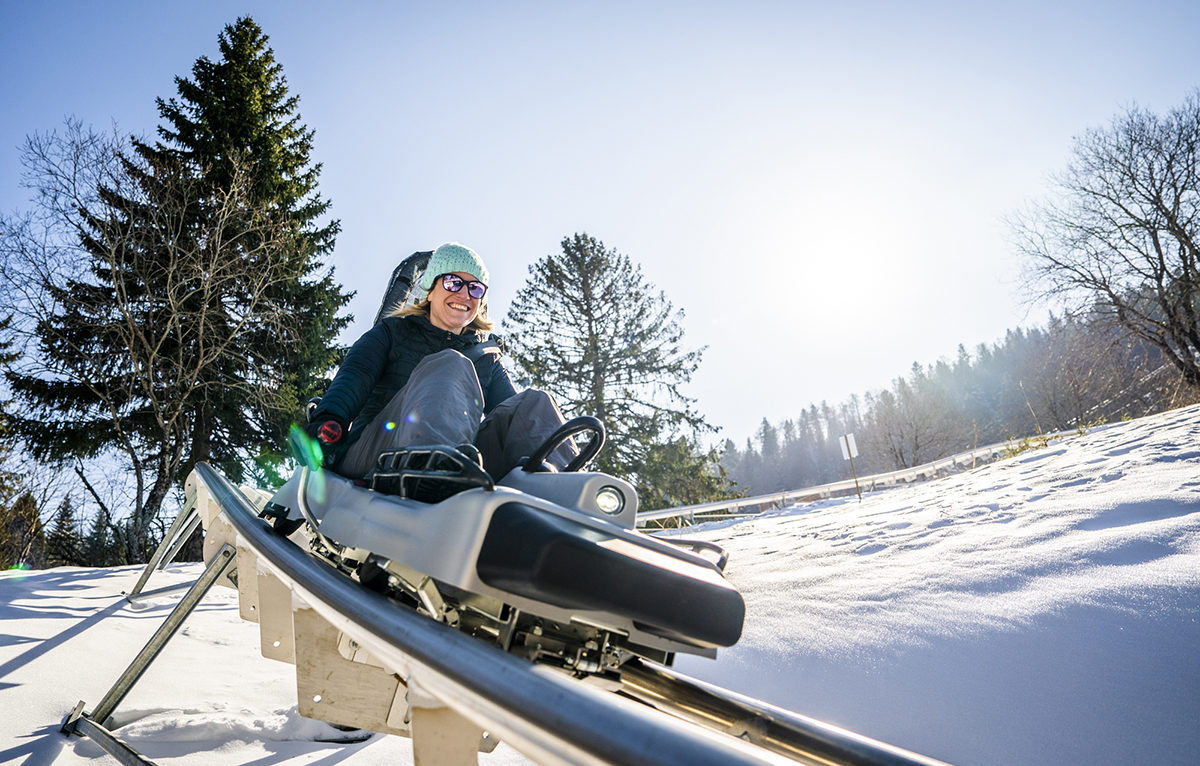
(590, 329)
(22, 536)
(205, 314)
(64, 543)
(236, 115)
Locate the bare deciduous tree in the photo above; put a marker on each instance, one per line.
(1121, 235)
(133, 284)
(912, 423)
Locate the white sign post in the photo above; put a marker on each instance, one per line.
(849, 452)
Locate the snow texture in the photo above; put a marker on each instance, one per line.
(1038, 610)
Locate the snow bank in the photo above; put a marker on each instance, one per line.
(1042, 609)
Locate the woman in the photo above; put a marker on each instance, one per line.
(424, 376)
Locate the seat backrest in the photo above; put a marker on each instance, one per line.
(401, 282)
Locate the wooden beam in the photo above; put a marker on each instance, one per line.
(331, 688)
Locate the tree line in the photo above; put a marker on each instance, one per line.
(1071, 374)
(170, 301)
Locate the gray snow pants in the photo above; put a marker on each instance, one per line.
(442, 403)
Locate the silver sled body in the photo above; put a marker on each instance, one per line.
(545, 563)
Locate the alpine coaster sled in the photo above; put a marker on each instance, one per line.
(545, 564)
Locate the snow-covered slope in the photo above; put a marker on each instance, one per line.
(1040, 610)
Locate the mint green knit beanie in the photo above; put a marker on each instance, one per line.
(452, 257)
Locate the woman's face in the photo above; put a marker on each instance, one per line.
(452, 311)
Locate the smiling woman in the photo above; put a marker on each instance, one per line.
(452, 308)
(428, 374)
(447, 304)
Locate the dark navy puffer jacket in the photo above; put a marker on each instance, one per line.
(381, 361)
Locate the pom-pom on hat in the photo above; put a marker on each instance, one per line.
(452, 257)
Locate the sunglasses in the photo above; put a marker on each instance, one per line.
(452, 283)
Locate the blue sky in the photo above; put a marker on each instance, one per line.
(820, 186)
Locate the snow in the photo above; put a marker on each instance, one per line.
(1038, 610)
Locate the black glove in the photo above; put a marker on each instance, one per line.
(329, 431)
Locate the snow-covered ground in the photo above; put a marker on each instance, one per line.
(1044, 609)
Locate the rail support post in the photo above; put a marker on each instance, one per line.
(337, 690)
(154, 646)
(185, 523)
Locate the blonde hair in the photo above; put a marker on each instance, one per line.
(403, 308)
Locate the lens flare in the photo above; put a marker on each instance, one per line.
(389, 426)
(309, 454)
(305, 449)
(316, 486)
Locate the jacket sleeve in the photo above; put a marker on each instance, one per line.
(362, 368)
(499, 387)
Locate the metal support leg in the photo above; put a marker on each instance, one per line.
(180, 540)
(184, 519)
(154, 646)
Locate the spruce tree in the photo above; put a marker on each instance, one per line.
(589, 328)
(679, 472)
(64, 544)
(100, 548)
(22, 537)
(237, 115)
(203, 315)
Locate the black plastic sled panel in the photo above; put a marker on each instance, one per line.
(540, 556)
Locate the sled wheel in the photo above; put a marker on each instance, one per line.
(566, 430)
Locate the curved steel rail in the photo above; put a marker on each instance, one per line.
(545, 714)
(869, 483)
(774, 728)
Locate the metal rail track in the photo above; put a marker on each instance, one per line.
(536, 705)
(543, 713)
(658, 717)
(869, 483)
(805, 739)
